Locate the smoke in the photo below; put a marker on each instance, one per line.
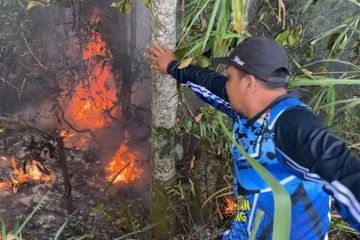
(57, 39)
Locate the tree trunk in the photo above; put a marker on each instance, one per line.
(164, 106)
(129, 76)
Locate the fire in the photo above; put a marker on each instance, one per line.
(19, 176)
(123, 168)
(92, 104)
(94, 96)
(230, 206)
(33, 173)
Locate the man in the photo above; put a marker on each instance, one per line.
(281, 133)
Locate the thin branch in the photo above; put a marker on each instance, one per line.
(32, 53)
(9, 83)
(117, 174)
(87, 130)
(24, 123)
(282, 12)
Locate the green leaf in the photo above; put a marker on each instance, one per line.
(180, 53)
(282, 36)
(331, 98)
(124, 6)
(203, 62)
(355, 2)
(3, 229)
(238, 15)
(222, 25)
(327, 33)
(27, 219)
(211, 23)
(301, 82)
(349, 102)
(32, 4)
(185, 63)
(178, 151)
(165, 150)
(259, 216)
(61, 229)
(309, 54)
(195, 17)
(147, 2)
(354, 66)
(290, 36)
(115, 4)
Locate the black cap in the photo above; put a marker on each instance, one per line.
(261, 57)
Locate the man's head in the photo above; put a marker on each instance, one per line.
(257, 72)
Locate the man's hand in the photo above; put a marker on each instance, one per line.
(159, 56)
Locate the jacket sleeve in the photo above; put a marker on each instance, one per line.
(314, 154)
(208, 85)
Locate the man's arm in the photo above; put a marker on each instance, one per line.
(209, 85)
(314, 154)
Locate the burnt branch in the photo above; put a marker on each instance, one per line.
(24, 123)
(67, 185)
(117, 174)
(32, 53)
(62, 156)
(87, 130)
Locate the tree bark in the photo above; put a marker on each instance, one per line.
(164, 106)
(128, 62)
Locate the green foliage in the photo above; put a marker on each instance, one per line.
(176, 191)
(290, 36)
(124, 6)
(207, 30)
(123, 215)
(16, 233)
(203, 127)
(258, 218)
(36, 3)
(339, 39)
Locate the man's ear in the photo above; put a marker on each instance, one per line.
(250, 84)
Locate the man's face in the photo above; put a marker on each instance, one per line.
(236, 89)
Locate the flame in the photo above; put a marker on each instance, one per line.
(35, 174)
(92, 101)
(19, 176)
(230, 206)
(123, 167)
(95, 95)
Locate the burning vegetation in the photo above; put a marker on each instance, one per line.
(94, 105)
(94, 98)
(230, 206)
(85, 151)
(123, 168)
(88, 109)
(33, 172)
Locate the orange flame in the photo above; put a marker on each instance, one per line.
(230, 206)
(19, 176)
(94, 96)
(123, 168)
